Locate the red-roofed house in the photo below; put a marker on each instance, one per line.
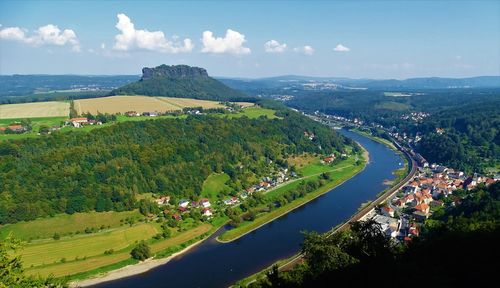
(388, 211)
(207, 212)
(424, 208)
(329, 159)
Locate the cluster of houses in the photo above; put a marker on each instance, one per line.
(415, 116)
(402, 216)
(137, 114)
(185, 206)
(82, 121)
(266, 183)
(156, 113)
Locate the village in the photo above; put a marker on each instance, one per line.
(183, 208)
(433, 186)
(402, 216)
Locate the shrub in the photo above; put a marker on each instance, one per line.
(141, 251)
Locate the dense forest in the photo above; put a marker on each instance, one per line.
(470, 119)
(105, 169)
(471, 137)
(456, 248)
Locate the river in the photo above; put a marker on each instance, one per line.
(212, 264)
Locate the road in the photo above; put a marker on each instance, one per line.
(361, 213)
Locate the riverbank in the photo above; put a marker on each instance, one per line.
(248, 227)
(133, 269)
(288, 263)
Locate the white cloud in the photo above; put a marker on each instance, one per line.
(232, 43)
(273, 46)
(131, 38)
(44, 35)
(307, 50)
(341, 48)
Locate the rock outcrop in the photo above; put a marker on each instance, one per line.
(173, 71)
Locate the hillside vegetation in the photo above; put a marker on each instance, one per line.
(104, 170)
(470, 139)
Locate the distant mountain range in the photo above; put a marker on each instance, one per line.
(194, 82)
(347, 83)
(179, 81)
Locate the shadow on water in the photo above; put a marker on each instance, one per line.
(212, 264)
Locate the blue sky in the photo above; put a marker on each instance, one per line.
(375, 39)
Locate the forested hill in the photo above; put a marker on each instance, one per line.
(470, 118)
(180, 81)
(470, 139)
(106, 168)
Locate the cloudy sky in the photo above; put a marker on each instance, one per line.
(376, 39)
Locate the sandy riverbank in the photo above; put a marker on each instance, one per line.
(130, 270)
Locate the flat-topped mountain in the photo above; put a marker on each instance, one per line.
(173, 71)
(181, 81)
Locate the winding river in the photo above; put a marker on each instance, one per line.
(212, 264)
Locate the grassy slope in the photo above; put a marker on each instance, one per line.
(85, 245)
(255, 112)
(213, 185)
(339, 173)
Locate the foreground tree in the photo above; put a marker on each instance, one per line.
(12, 272)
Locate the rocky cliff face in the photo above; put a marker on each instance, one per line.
(173, 71)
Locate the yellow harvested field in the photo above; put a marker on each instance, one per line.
(245, 104)
(188, 102)
(122, 104)
(140, 104)
(34, 110)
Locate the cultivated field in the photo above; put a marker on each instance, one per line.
(65, 224)
(245, 104)
(140, 104)
(187, 102)
(85, 245)
(90, 247)
(34, 110)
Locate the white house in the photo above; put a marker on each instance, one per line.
(183, 203)
(205, 203)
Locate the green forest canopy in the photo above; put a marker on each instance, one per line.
(105, 169)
